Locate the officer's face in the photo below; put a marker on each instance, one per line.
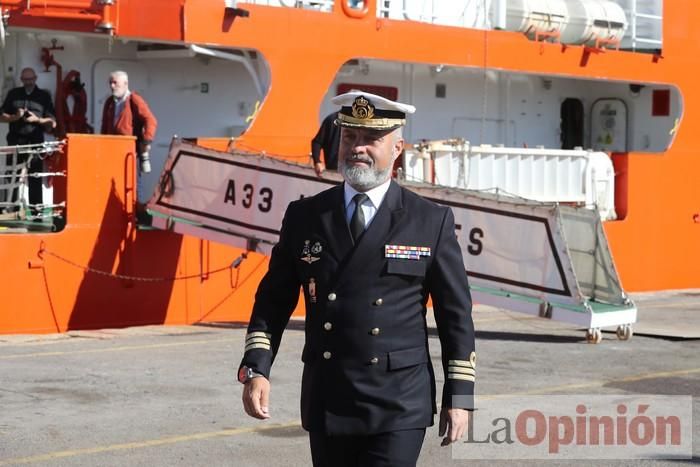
(366, 157)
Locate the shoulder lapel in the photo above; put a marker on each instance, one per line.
(333, 222)
(388, 216)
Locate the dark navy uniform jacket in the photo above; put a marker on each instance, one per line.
(366, 363)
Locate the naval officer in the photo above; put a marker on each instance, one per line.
(367, 254)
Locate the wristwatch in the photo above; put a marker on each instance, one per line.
(245, 374)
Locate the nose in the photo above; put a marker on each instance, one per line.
(358, 145)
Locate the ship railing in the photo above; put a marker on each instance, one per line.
(639, 29)
(465, 13)
(18, 164)
(317, 5)
(646, 22)
(462, 13)
(574, 177)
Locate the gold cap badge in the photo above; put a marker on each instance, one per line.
(362, 109)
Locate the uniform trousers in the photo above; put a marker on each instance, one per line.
(390, 449)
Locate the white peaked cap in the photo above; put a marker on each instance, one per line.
(361, 109)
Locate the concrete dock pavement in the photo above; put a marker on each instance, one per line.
(167, 395)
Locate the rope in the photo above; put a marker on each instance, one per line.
(257, 151)
(234, 265)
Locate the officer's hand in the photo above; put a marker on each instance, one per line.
(19, 114)
(319, 167)
(453, 424)
(256, 396)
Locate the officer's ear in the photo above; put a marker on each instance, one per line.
(397, 147)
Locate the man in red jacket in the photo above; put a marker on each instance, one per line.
(127, 113)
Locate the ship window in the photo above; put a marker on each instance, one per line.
(440, 90)
(661, 103)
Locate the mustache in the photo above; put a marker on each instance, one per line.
(361, 158)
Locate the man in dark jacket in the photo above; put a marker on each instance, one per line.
(29, 111)
(367, 254)
(327, 139)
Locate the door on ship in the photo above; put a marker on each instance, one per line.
(571, 123)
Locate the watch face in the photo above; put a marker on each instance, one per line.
(242, 374)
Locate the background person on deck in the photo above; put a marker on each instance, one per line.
(127, 113)
(29, 111)
(328, 139)
(367, 255)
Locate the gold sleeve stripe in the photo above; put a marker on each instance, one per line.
(464, 371)
(258, 334)
(464, 363)
(257, 346)
(460, 376)
(460, 366)
(263, 338)
(254, 340)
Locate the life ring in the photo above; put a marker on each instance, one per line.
(75, 120)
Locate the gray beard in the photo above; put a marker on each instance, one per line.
(363, 179)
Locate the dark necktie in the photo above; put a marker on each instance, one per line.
(357, 222)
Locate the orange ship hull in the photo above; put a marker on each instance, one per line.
(47, 288)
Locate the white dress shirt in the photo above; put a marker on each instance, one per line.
(369, 207)
(119, 106)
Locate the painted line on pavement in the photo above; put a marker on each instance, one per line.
(144, 444)
(118, 349)
(592, 384)
(258, 429)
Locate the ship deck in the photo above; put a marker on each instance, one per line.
(163, 396)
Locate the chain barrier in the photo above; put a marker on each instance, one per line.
(234, 265)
